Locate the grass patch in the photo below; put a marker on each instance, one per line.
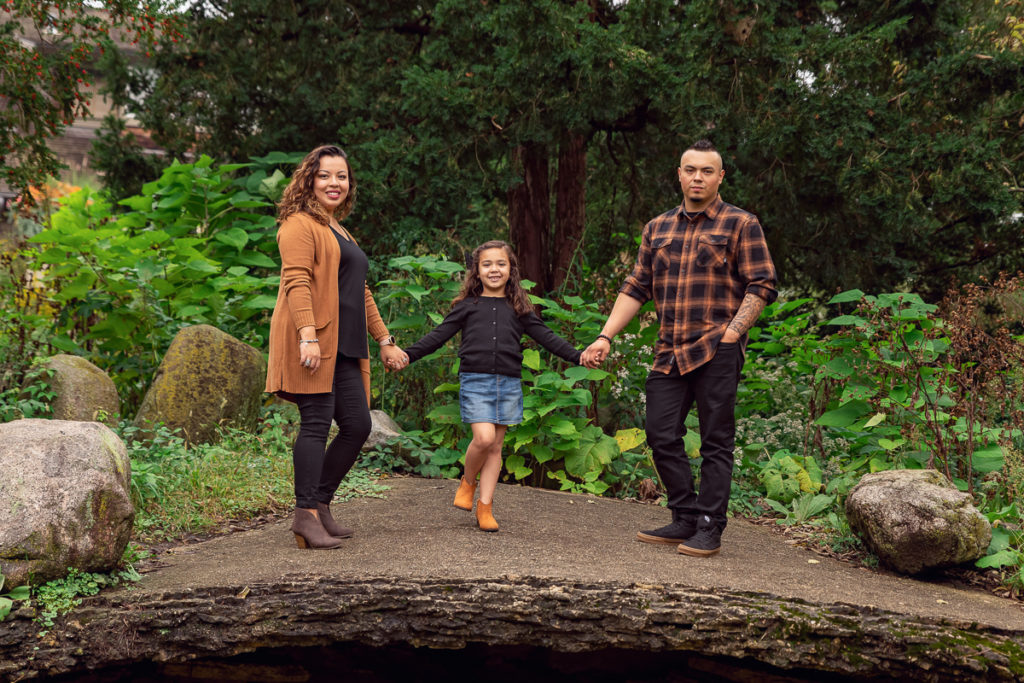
(182, 490)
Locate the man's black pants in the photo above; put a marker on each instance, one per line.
(669, 399)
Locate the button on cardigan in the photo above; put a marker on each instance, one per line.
(308, 295)
(491, 334)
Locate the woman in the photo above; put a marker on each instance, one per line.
(318, 350)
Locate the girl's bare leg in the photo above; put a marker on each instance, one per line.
(491, 469)
(479, 448)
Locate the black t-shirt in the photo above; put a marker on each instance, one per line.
(491, 334)
(351, 299)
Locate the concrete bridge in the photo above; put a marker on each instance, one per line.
(564, 575)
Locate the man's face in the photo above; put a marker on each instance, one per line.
(700, 174)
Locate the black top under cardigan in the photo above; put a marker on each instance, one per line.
(491, 334)
(352, 271)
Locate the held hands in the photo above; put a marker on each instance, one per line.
(393, 357)
(595, 354)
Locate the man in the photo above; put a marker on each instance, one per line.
(707, 267)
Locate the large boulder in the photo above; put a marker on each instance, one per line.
(207, 379)
(915, 520)
(82, 392)
(64, 499)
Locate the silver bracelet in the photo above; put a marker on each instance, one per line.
(309, 341)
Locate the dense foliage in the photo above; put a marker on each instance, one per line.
(880, 146)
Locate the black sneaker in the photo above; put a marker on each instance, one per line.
(676, 532)
(707, 541)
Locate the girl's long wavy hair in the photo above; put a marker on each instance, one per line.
(473, 287)
(298, 196)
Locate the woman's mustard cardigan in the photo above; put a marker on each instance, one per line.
(308, 295)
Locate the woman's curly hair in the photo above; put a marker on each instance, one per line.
(298, 196)
(472, 286)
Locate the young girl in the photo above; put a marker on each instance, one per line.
(492, 311)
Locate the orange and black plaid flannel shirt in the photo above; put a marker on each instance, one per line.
(698, 270)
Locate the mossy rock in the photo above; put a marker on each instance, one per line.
(65, 499)
(916, 520)
(82, 391)
(207, 379)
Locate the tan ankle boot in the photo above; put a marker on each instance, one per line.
(310, 533)
(484, 519)
(464, 496)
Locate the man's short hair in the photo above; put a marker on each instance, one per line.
(702, 146)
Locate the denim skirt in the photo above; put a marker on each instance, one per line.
(497, 399)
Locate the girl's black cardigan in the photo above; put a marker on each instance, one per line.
(491, 334)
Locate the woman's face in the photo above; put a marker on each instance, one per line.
(330, 184)
(493, 267)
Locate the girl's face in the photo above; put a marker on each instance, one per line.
(493, 267)
(330, 184)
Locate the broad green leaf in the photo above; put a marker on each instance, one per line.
(876, 419)
(138, 203)
(541, 453)
(988, 459)
(879, 464)
(201, 266)
(261, 302)
(256, 258)
(233, 237)
(78, 287)
(846, 320)
(445, 414)
(406, 322)
(531, 359)
(577, 372)
(847, 296)
(192, 311)
(417, 291)
(592, 455)
(691, 442)
(562, 426)
(172, 201)
(1007, 557)
(845, 415)
(629, 439)
(516, 465)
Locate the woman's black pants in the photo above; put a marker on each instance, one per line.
(319, 471)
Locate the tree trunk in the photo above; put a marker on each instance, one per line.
(529, 213)
(570, 205)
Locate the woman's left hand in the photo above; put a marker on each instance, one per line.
(393, 357)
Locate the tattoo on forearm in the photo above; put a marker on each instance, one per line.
(745, 318)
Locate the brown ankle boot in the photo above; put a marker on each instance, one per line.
(484, 519)
(310, 533)
(464, 496)
(332, 527)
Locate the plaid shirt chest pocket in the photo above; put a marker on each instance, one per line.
(665, 255)
(712, 251)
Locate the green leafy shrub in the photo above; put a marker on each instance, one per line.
(195, 247)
